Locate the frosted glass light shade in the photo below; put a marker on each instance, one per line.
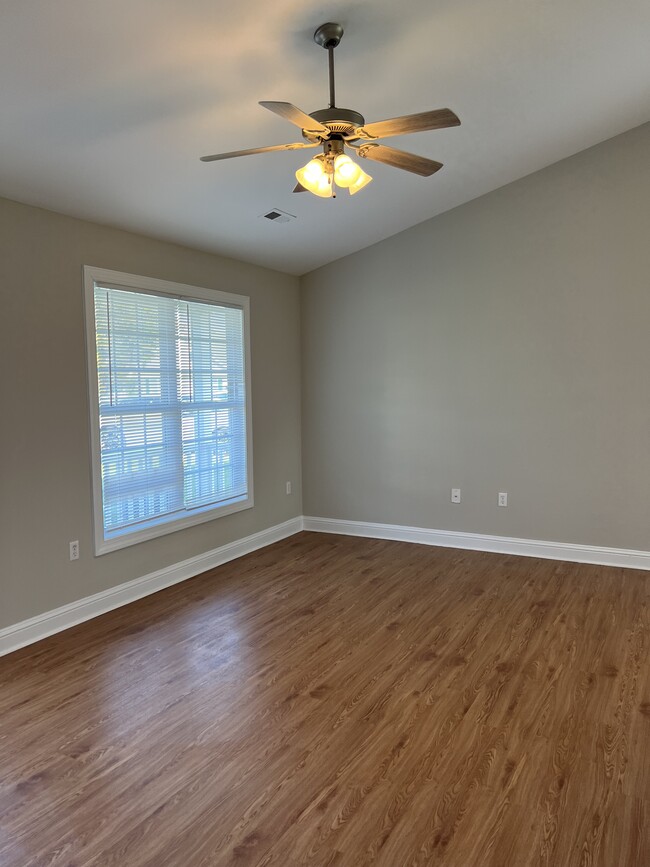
(362, 180)
(311, 173)
(315, 178)
(346, 172)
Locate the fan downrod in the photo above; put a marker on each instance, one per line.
(328, 35)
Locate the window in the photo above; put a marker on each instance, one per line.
(168, 372)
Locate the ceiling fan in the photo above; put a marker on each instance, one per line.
(333, 128)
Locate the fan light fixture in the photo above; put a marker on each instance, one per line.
(325, 172)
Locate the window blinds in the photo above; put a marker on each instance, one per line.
(172, 406)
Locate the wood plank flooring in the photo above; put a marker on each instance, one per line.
(340, 701)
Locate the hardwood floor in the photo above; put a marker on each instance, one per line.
(340, 701)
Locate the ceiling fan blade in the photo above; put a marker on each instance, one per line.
(399, 159)
(283, 147)
(296, 116)
(441, 118)
(299, 189)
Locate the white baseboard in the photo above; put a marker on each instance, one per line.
(36, 628)
(478, 542)
(32, 630)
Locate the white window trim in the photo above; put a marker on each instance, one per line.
(118, 279)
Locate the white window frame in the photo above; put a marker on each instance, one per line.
(120, 280)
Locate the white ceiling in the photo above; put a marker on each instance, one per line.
(107, 106)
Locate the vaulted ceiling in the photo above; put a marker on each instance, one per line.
(106, 108)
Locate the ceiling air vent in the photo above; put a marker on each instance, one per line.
(277, 216)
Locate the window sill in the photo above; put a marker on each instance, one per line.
(125, 539)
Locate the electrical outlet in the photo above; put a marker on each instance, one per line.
(288, 488)
(455, 495)
(74, 550)
(503, 499)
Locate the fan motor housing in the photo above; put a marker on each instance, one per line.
(340, 121)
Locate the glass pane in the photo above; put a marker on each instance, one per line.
(172, 405)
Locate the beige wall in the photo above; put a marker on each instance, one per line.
(502, 346)
(45, 495)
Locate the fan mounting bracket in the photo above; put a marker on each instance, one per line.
(328, 35)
